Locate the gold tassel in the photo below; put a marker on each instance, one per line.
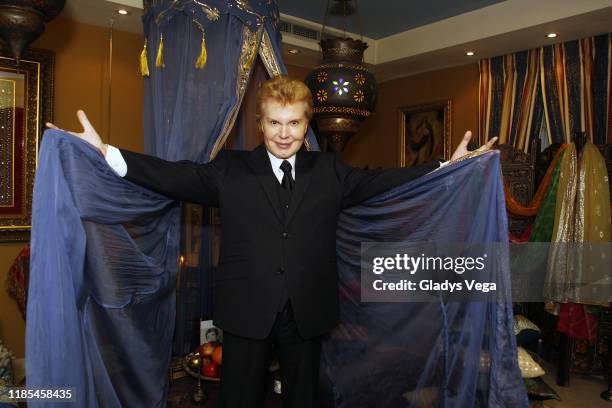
(203, 57)
(159, 60)
(144, 64)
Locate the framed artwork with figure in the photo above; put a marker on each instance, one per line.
(26, 103)
(424, 133)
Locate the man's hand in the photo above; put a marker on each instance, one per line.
(89, 134)
(462, 148)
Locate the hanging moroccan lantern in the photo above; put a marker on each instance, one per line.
(22, 21)
(343, 90)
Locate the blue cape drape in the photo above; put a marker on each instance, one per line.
(101, 299)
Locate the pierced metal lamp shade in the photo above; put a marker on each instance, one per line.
(22, 21)
(343, 90)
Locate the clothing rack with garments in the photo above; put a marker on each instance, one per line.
(569, 350)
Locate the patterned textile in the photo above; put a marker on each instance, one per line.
(17, 279)
(543, 224)
(576, 322)
(6, 375)
(567, 83)
(582, 216)
(516, 209)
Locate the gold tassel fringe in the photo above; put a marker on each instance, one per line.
(144, 64)
(159, 60)
(203, 57)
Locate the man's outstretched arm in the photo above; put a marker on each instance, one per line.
(359, 185)
(182, 180)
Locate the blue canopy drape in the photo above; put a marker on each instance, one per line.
(189, 112)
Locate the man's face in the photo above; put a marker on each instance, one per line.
(284, 127)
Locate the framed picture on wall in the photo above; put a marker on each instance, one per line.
(424, 133)
(26, 103)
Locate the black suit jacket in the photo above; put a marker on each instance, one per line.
(261, 250)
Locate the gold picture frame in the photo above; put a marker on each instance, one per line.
(425, 133)
(26, 103)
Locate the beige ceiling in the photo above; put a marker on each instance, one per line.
(101, 12)
(509, 26)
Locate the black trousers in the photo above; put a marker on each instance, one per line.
(246, 361)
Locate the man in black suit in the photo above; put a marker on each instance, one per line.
(279, 206)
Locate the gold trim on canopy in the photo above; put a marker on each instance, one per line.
(250, 42)
(266, 52)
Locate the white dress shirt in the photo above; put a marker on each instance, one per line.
(276, 163)
(116, 161)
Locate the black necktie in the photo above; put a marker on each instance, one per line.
(288, 181)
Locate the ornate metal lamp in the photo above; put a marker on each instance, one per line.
(344, 91)
(22, 21)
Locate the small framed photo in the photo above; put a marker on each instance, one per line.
(209, 332)
(424, 133)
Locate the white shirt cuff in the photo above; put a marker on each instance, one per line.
(443, 163)
(115, 160)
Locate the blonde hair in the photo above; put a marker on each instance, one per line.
(284, 90)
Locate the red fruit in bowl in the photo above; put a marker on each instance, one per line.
(211, 370)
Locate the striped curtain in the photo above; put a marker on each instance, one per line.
(566, 84)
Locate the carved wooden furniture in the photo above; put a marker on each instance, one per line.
(519, 169)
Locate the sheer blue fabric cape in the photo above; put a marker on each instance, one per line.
(435, 354)
(101, 297)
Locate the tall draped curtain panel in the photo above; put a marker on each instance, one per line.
(567, 85)
(101, 307)
(200, 56)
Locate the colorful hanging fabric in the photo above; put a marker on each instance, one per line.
(591, 224)
(516, 209)
(509, 97)
(545, 219)
(577, 271)
(567, 83)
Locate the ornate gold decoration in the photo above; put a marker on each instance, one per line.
(203, 57)
(342, 109)
(144, 64)
(159, 59)
(36, 66)
(360, 79)
(359, 97)
(266, 53)
(322, 95)
(212, 13)
(250, 42)
(247, 55)
(344, 65)
(474, 153)
(244, 6)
